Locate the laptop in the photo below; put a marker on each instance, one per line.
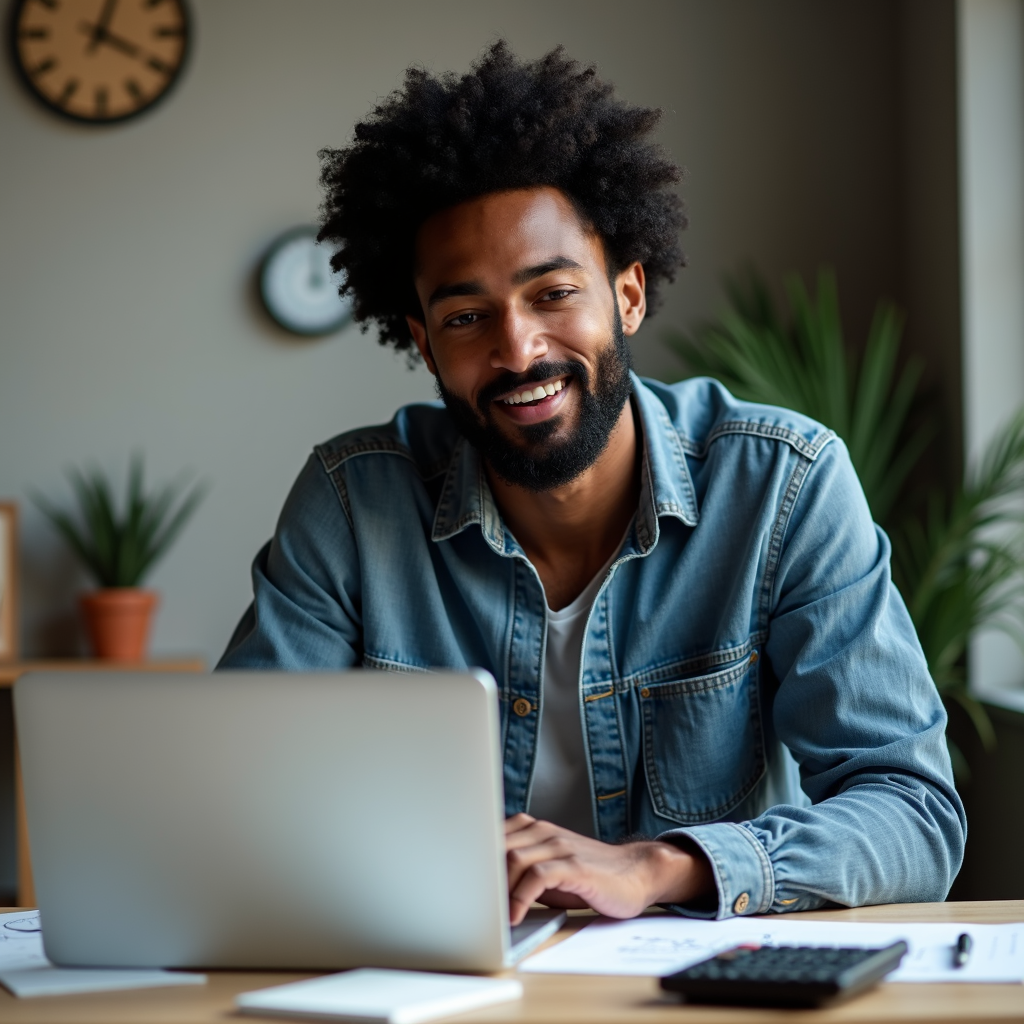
(269, 820)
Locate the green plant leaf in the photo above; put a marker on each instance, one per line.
(979, 717)
(77, 540)
(119, 550)
(806, 365)
(169, 532)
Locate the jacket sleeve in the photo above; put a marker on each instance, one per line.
(305, 612)
(860, 714)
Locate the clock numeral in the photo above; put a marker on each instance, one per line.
(33, 33)
(133, 89)
(42, 67)
(169, 31)
(69, 90)
(101, 102)
(158, 65)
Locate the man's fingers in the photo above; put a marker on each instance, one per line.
(538, 879)
(521, 859)
(532, 834)
(517, 823)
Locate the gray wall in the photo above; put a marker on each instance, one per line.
(127, 316)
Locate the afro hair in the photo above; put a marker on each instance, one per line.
(507, 124)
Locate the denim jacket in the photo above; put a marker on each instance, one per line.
(750, 677)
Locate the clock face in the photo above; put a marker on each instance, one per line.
(99, 60)
(299, 288)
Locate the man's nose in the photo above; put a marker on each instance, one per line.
(518, 342)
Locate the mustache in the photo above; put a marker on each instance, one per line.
(509, 381)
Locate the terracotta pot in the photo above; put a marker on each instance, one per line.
(117, 620)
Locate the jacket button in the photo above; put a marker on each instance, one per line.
(742, 902)
(645, 692)
(522, 707)
(753, 658)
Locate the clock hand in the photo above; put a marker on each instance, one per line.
(126, 47)
(103, 35)
(120, 44)
(99, 30)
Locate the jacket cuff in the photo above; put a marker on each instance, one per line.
(743, 872)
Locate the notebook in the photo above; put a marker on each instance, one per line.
(387, 997)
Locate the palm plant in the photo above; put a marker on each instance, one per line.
(959, 564)
(807, 366)
(119, 549)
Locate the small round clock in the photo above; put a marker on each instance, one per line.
(99, 61)
(299, 288)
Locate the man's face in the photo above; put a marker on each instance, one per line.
(517, 298)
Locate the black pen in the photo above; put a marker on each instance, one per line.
(962, 950)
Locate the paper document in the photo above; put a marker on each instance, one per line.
(663, 944)
(25, 971)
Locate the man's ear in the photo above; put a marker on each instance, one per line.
(418, 331)
(631, 295)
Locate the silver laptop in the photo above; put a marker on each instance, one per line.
(269, 820)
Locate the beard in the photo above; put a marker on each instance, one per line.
(544, 461)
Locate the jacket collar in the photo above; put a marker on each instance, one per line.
(666, 487)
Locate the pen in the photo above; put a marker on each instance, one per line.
(962, 950)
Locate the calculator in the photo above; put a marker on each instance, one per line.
(784, 975)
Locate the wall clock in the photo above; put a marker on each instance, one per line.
(299, 288)
(99, 61)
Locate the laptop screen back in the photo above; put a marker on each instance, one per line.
(266, 819)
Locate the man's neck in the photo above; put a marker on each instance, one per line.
(570, 532)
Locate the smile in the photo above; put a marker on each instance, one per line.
(537, 393)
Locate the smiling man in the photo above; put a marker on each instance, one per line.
(711, 693)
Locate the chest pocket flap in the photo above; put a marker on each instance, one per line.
(703, 741)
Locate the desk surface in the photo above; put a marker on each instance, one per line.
(568, 999)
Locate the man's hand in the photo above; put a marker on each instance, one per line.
(559, 868)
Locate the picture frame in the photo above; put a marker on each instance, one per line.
(9, 622)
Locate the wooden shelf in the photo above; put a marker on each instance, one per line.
(9, 674)
(10, 671)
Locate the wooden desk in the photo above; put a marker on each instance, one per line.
(568, 999)
(10, 672)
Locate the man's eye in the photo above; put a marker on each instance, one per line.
(463, 320)
(558, 293)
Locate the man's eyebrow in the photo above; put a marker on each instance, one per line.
(447, 291)
(540, 269)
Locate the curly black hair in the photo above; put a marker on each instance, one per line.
(507, 124)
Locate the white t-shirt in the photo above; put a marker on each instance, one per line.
(561, 783)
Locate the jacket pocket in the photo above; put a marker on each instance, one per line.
(703, 741)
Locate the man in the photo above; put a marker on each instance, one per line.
(711, 694)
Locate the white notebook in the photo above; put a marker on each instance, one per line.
(379, 996)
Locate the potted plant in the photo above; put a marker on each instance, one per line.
(119, 550)
(958, 561)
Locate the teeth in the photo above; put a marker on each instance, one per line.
(534, 394)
